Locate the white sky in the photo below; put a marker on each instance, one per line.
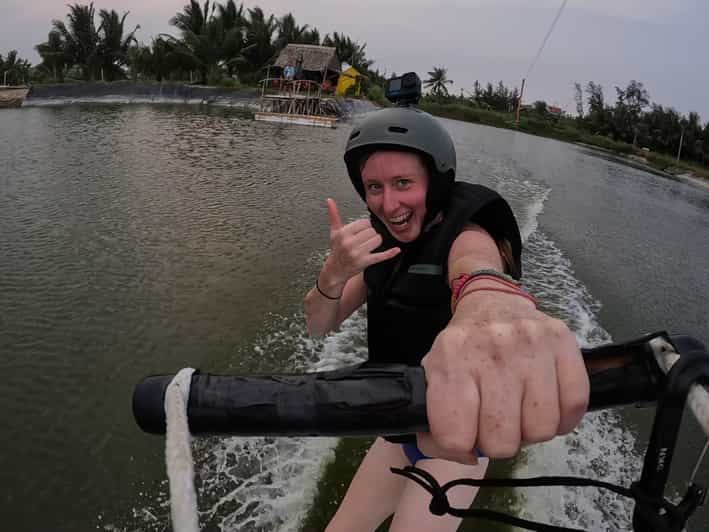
(663, 43)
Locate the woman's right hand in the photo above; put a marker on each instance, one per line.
(351, 248)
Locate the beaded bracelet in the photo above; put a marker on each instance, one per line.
(511, 286)
(324, 294)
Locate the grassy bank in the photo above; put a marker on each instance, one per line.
(565, 131)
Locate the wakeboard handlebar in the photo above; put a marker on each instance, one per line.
(368, 400)
(364, 400)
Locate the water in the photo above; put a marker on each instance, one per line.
(142, 239)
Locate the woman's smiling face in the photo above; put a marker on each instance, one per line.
(395, 185)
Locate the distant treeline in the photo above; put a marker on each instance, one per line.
(13, 69)
(226, 43)
(217, 44)
(632, 119)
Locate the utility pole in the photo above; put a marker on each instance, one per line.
(681, 138)
(519, 100)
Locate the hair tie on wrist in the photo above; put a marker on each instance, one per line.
(324, 294)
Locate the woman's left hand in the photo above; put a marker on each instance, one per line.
(502, 374)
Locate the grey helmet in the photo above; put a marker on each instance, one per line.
(405, 129)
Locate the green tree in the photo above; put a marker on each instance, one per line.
(231, 27)
(139, 61)
(199, 47)
(578, 97)
(540, 108)
(259, 49)
(290, 32)
(113, 44)
(81, 39)
(311, 36)
(166, 58)
(13, 69)
(349, 51)
(630, 103)
(597, 114)
(54, 59)
(437, 81)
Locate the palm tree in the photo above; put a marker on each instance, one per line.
(165, 58)
(113, 46)
(290, 32)
(232, 23)
(311, 37)
(192, 19)
(438, 78)
(199, 47)
(349, 51)
(80, 38)
(52, 52)
(230, 15)
(13, 69)
(259, 49)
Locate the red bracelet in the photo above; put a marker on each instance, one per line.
(494, 289)
(460, 282)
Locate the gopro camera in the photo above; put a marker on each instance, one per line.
(403, 90)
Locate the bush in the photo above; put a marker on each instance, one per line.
(466, 113)
(608, 144)
(214, 76)
(375, 93)
(230, 83)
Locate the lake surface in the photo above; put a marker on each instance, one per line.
(139, 239)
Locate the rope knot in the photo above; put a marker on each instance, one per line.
(439, 504)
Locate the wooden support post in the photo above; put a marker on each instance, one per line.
(519, 101)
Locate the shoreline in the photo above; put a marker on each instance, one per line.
(247, 99)
(638, 164)
(656, 163)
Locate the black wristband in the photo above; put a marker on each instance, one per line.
(324, 294)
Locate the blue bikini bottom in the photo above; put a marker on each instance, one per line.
(414, 454)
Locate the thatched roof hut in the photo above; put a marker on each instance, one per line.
(313, 60)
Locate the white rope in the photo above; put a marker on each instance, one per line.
(546, 38)
(178, 454)
(698, 398)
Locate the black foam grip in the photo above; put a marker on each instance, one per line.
(356, 401)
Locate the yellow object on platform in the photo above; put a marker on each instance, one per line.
(348, 78)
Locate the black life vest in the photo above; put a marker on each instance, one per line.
(408, 297)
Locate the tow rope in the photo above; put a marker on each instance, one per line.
(178, 454)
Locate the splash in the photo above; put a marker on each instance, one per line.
(255, 484)
(600, 447)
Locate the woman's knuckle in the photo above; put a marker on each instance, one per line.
(541, 432)
(506, 449)
(453, 444)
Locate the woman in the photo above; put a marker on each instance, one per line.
(437, 264)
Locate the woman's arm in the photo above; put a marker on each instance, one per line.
(322, 314)
(502, 373)
(341, 281)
